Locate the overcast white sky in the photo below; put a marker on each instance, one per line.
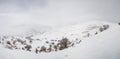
(57, 12)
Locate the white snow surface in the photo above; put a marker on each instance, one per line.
(104, 45)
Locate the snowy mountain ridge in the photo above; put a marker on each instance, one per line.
(67, 41)
(74, 34)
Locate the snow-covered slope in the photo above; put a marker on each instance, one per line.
(96, 40)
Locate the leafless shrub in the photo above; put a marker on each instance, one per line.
(37, 50)
(101, 29)
(28, 47)
(43, 49)
(8, 42)
(96, 33)
(64, 43)
(52, 43)
(50, 48)
(105, 27)
(47, 42)
(55, 47)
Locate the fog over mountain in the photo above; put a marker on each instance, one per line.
(57, 13)
(59, 29)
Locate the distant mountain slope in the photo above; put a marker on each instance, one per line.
(24, 29)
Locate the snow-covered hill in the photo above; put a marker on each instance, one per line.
(94, 40)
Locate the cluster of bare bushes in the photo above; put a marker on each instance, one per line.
(100, 29)
(21, 44)
(15, 43)
(62, 44)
